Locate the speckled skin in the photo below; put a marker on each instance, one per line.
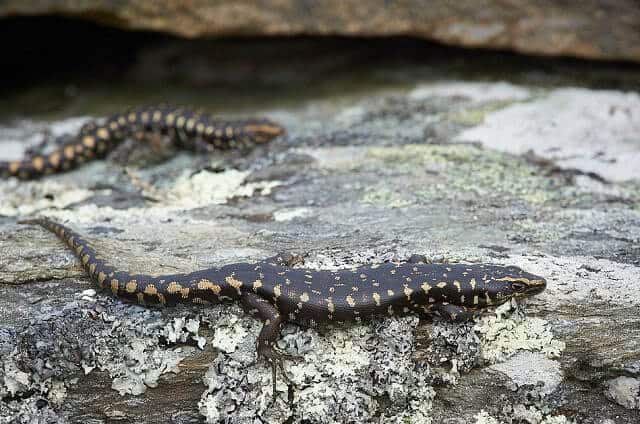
(188, 129)
(280, 293)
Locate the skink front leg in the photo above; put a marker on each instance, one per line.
(284, 259)
(272, 319)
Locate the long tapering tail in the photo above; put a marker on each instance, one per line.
(206, 286)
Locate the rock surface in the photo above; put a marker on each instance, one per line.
(473, 169)
(589, 29)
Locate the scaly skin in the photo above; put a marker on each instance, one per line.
(283, 294)
(188, 129)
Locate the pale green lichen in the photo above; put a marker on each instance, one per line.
(467, 169)
(476, 115)
(385, 197)
(138, 365)
(509, 331)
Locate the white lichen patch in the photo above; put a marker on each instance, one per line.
(130, 349)
(509, 331)
(140, 366)
(21, 198)
(182, 329)
(522, 414)
(13, 380)
(568, 126)
(625, 391)
(532, 369)
(210, 188)
(534, 415)
(483, 417)
(50, 198)
(89, 214)
(338, 377)
(57, 393)
(291, 213)
(229, 334)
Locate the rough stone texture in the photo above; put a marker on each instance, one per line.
(413, 164)
(590, 29)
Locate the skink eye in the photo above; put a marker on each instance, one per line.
(518, 287)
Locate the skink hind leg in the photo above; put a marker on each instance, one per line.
(417, 259)
(272, 319)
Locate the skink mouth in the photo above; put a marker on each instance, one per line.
(264, 131)
(536, 286)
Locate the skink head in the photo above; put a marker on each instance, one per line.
(262, 131)
(504, 283)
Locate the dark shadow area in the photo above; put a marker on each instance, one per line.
(50, 62)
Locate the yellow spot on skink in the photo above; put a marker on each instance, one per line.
(407, 292)
(131, 286)
(236, 284)
(204, 284)
(102, 133)
(101, 277)
(38, 163)
(151, 290)
(256, 285)
(114, 286)
(174, 287)
(54, 159)
(14, 166)
(351, 301)
(68, 152)
(330, 306)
